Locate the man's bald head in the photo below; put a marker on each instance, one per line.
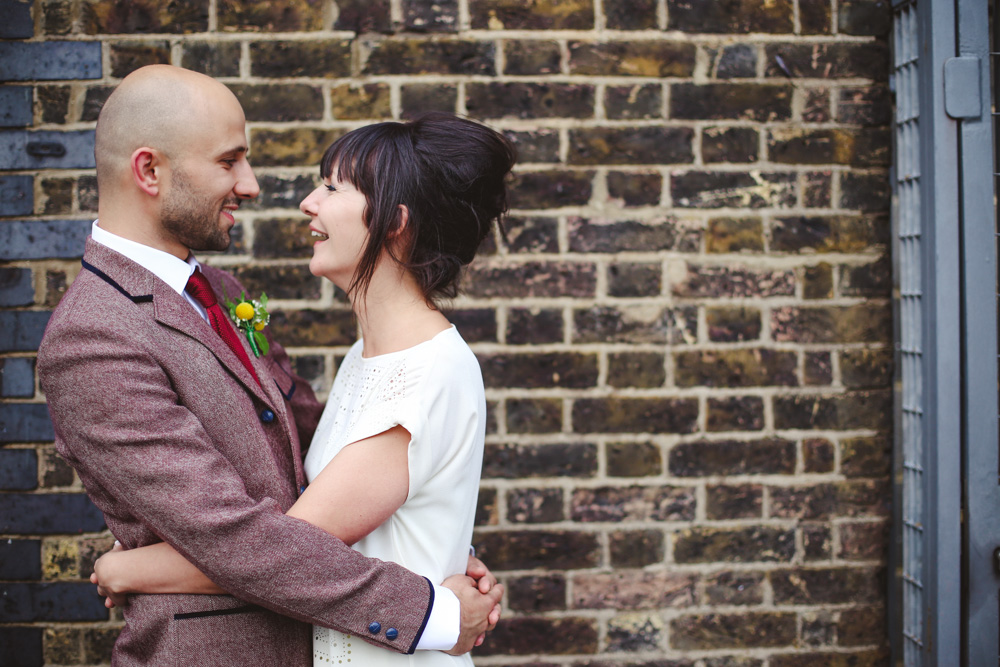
(158, 106)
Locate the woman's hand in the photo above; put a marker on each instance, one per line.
(103, 577)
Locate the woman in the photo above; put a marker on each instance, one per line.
(394, 465)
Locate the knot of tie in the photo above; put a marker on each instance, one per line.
(199, 288)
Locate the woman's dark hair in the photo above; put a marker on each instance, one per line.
(449, 172)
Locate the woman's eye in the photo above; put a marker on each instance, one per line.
(330, 187)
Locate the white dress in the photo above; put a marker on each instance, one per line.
(435, 391)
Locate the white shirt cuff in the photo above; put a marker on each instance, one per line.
(444, 624)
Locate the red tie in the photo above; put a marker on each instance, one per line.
(199, 288)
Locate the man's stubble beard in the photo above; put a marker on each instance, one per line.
(193, 222)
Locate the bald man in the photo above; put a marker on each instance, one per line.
(179, 437)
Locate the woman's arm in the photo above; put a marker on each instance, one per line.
(355, 493)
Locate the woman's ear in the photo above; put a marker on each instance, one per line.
(147, 166)
(402, 222)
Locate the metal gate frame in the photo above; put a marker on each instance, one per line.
(944, 590)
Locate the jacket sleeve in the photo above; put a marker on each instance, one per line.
(144, 456)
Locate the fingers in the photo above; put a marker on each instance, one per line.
(494, 618)
(480, 639)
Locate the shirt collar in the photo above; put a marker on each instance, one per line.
(168, 268)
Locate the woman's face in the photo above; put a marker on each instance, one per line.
(336, 211)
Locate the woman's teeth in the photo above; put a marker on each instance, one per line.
(319, 235)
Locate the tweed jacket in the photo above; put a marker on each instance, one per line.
(174, 440)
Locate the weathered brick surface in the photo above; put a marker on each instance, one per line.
(686, 336)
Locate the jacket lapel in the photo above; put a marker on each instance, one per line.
(172, 310)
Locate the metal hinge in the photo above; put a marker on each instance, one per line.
(962, 94)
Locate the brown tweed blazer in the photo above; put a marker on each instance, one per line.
(173, 441)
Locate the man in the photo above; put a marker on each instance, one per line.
(181, 434)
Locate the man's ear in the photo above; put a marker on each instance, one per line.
(147, 170)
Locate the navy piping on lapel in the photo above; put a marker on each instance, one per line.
(291, 392)
(144, 298)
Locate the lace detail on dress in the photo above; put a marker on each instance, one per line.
(368, 399)
(331, 647)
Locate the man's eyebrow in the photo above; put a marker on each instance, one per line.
(236, 150)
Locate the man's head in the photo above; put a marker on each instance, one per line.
(172, 160)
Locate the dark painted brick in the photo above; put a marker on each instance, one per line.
(216, 59)
(635, 548)
(291, 147)
(630, 14)
(634, 189)
(17, 22)
(17, 287)
(855, 410)
(541, 593)
(49, 61)
(621, 325)
(839, 585)
(430, 56)
(613, 236)
(57, 17)
(529, 100)
(268, 17)
(42, 239)
(528, 550)
(430, 15)
(817, 455)
(734, 282)
(539, 369)
(314, 58)
(743, 501)
(631, 145)
(126, 57)
(635, 415)
(816, 106)
(817, 501)
(640, 459)
(636, 369)
(418, 98)
(634, 503)
(57, 601)
(145, 16)
(282, 191)
(698, 189)
(280, 102)
(817, 281)
(358, 102)
(865, 192)
(535, 145)
(732, 457)
(759, 367)
(486, 508)
(550, 636)
(552, 460)
(310, 328)
(280, 282)
(20, 559)
(735, 413)
(862, 323)
(865, 106)
(870, 18)
(735, 101)
(18, 469)
(734, 545)
(633, 589)
(17, 195)
(532, 279)
(737, 323)
(745, 630)
(735, 588)
(646, 58)
(23, 422)
(551, 189)
(533, 326)
(534, 415)
(815, 17)
(526, 57)
(17, 377)
(75, 149)
(536, 15)
(532, 234)
(725, 235)
(742, 16)
(477, 325)
(49, 514)
(738, 61)
(21, 330)
(865, 457)
(93, 102)
(830, 60)
(15, 106)
(862, 147)
(729, 144)
(22, 646)
(535, 505)
(362, 16)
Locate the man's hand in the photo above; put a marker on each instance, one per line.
(477, 609)
(485, 580)
(112, 598)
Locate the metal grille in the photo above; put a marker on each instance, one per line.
(911, 314)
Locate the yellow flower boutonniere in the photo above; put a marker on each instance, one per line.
(250, 317)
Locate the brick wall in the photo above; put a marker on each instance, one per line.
(686, 340)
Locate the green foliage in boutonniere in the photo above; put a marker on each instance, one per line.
(250, 317)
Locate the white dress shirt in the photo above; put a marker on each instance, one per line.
(445, 621)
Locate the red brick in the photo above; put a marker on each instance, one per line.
(634, 503)
(633, 589)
